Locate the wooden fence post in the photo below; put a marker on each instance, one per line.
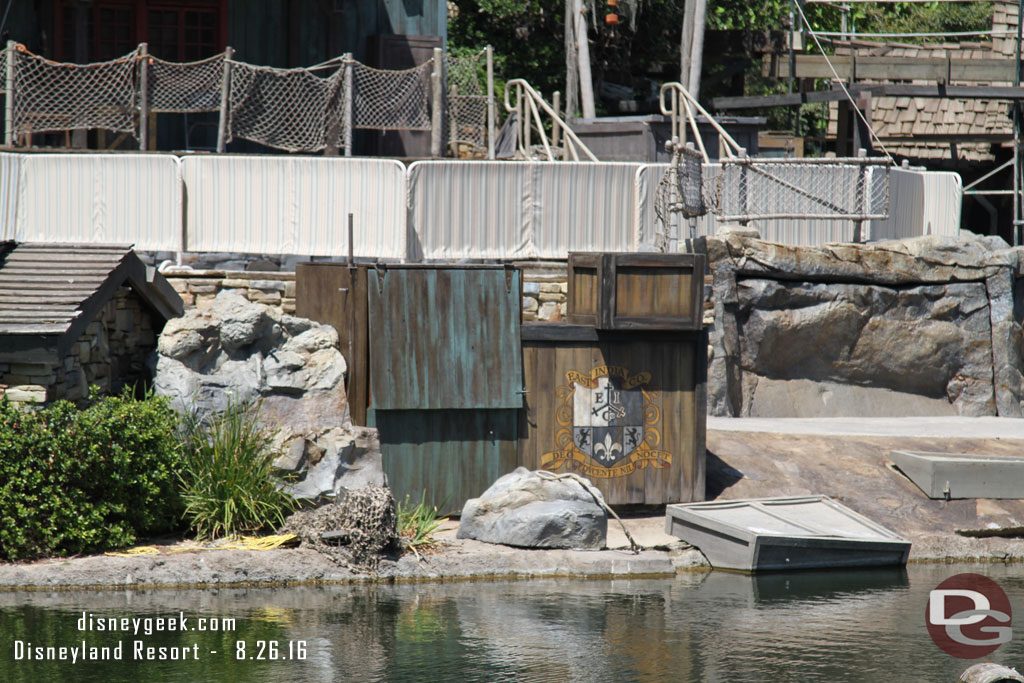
(491, 114)
(225, 95)
(12, 53)
(144, 96)
(349, 93)
(436, 83)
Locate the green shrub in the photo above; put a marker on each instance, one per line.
(227, 478)
(81, 481)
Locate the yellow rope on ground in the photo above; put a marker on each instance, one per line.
(242, 543)
(258, 542)
(138, 550)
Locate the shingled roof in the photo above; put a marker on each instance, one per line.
(49, 293)
(901, 119)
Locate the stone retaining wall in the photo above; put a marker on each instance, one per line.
(916, 327)
(544, 295)
(110, 354)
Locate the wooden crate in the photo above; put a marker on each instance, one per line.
(626, 291)
(627, 411)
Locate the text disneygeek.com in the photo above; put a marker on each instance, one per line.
(139, 649)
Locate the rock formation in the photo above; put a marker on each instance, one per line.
(526, 510)
(239, 351)
(923, 326)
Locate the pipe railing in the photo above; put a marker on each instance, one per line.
(681, 104)
(528, 107)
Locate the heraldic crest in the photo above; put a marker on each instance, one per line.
(608, 424)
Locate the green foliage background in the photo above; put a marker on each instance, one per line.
(528, 36)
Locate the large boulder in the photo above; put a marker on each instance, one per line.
(246, 351)
(238, 351)
(527, 510)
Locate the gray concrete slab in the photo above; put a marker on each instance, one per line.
(927, 427)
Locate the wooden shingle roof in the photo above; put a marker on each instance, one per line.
(49, 293)
(905, 123)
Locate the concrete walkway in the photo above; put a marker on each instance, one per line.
(925, 427)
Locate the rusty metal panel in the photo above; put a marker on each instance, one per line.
(452, 455)
(334, 294)
(445, 337)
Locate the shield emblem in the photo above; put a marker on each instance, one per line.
(608, 421)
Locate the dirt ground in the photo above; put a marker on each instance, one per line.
(853, 469)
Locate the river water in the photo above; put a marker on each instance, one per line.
(709, 626)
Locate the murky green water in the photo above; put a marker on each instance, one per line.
(838, 626)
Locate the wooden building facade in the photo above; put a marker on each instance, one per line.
(276, 33)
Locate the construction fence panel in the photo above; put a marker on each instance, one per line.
(101, 198)
(468, 209)
(10, 184)
(581, 206)
(295, 205)
(920, 203)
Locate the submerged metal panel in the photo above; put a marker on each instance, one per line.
(784, 533)
(295, 205)
(959, 475)
(445, 338)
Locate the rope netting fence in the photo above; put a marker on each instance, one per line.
(54, 96)
(466, 113)
(297, 110)
(679, 194)
(189, 87)
(826, 189)
(391, 100)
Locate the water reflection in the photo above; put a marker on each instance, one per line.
(810, 626)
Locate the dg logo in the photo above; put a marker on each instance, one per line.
(968, 616)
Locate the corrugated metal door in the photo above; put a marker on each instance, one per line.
(445, 377)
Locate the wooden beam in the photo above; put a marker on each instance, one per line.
(959, 92)
(849, 67)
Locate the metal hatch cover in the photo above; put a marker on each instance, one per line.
(766, 534)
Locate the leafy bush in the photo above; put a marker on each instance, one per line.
(79, 481)
(227, 478)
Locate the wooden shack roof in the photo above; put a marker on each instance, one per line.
(938, 128)
(49, 293)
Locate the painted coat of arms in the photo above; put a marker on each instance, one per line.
(608, 424)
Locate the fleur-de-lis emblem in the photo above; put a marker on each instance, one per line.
(606, 450)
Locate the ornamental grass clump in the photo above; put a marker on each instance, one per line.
(227, 478)
(417, 523)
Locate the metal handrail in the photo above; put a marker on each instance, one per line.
(528, 117)
(682, 102)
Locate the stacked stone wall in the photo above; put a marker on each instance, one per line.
(110, 354)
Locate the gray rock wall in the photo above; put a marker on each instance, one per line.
(236, 350)
(915, 327)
